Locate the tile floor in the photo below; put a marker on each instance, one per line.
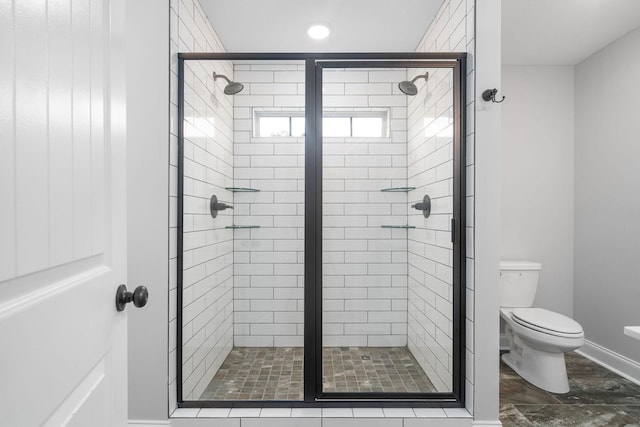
(373, 369)
(598, 397)
(257, 373)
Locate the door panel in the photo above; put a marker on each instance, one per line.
(242, 271)
(52, 352)
(30, 111)
(64, 345)
(387, 264)
(87, 402)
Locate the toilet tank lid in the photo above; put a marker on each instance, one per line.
(519, 265)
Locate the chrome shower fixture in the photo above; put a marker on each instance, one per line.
(408, 87)
(232, 87)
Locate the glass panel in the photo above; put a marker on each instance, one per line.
(336, 126)
(242, 278)
(297, 126)
(387, 270)
(274, 126)
(367, 126)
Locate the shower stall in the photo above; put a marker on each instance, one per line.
(321, 240)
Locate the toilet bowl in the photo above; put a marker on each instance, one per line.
(538, 338)
(536, 352)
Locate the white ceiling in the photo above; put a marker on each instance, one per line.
(562, 32)
(356, 25)
(534, 32)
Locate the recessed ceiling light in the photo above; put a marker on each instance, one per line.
(318, 32)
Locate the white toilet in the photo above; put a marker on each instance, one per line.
(538, 338)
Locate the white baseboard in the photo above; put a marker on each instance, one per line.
(621, 365)
(504, 342)
(486, 423)
(147, 423)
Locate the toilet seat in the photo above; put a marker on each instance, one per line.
(548, 322)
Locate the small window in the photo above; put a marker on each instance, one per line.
(337, 124)
(297, 126)
(368, 126)
(278, 124)
(356, 124)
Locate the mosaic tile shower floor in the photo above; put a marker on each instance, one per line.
(598, 397)
(260, 373)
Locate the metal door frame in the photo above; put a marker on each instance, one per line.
(314, 64)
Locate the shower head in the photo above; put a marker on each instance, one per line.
(409, 87)
(232, 87)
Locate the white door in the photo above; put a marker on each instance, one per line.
(62, 213)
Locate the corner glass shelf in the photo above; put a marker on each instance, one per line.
(398, 189)
(241, 189)
(398, 226)
(238, 227)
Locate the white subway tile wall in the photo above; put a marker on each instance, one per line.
(207, 327)
(453, 30)
(430, 273)
(363, 262)
(365, 265)
(268, 261)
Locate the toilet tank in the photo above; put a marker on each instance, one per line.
(518, 283)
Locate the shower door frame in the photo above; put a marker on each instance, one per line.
(314, 64)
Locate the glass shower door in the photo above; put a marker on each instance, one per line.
(319, 223)
(241, 232)
(387, 209)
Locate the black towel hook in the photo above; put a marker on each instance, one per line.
(490, 95)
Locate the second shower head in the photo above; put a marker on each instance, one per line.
(409, 87)
(232, 87)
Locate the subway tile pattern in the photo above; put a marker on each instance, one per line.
(268, 261)
(430, 257)
(207, 244)
(208, 169)
(365, 265)
(276, 373)
(452, 30)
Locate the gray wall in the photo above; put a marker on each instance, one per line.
(537, 177)
(607, 206)
(148, 216)
(484, 212)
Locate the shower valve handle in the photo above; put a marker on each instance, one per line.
(215, 206)
(424, 206)
(221, 206)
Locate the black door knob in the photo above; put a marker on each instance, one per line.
(139, 297)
